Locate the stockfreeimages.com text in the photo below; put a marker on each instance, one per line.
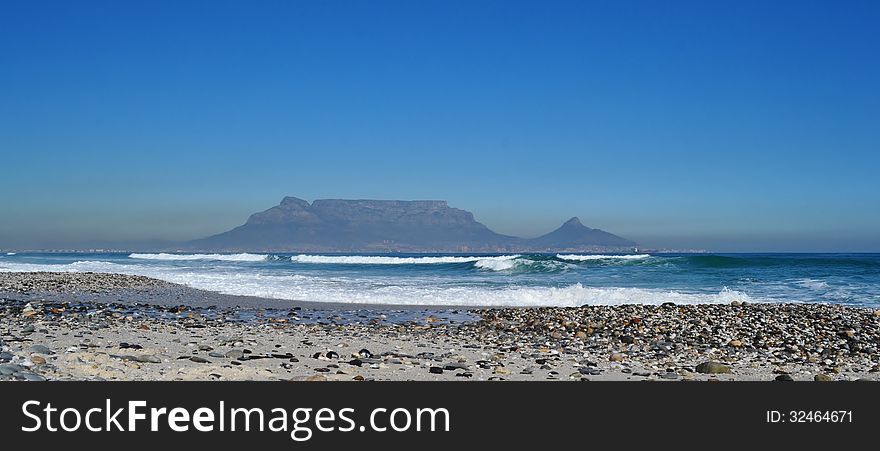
(300, 423)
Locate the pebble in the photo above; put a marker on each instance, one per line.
(455, 366)
(616, 357)
(8, 369)
(785, 378)
(312, 378)
(822, 378)
(139, 358)
(589, 370)
(31, 377)
(39, 349)
(713, 368)
(234, 354)
(435, 370)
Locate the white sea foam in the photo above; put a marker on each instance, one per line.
(495, 264)
(10, 253)
(221, 257)
(381, 260)
(580, 258)
(812, 284)
(374, 290)
(523, 263)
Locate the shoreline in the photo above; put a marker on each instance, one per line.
(115, 287)
(93, 326)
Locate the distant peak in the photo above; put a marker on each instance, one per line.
(574, 224)
(575, 221)
(291, 201)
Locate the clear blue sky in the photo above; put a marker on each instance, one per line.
(733, 126)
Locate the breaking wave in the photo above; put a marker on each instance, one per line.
(220, 257)
(589, 257)
(380, 260)
(355, 290)
(499, 263)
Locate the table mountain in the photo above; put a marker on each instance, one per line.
(339, 225)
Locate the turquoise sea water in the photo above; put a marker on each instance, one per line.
(498, 280)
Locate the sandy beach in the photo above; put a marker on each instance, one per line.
(89, 326)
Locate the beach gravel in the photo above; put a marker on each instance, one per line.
(86, 326)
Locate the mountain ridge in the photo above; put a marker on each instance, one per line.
(367, 225)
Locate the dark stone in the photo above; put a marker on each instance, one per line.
(39, 349)
(713, 368)
(589, 370)
(30, 377)
(8, 369)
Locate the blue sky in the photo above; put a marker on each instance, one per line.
(732, 126)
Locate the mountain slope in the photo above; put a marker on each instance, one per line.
(339, 225)
(574, 235)
(360, 226)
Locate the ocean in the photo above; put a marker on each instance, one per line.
(565, 280)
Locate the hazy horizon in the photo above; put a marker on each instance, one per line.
(744, 127)
(728, 244)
